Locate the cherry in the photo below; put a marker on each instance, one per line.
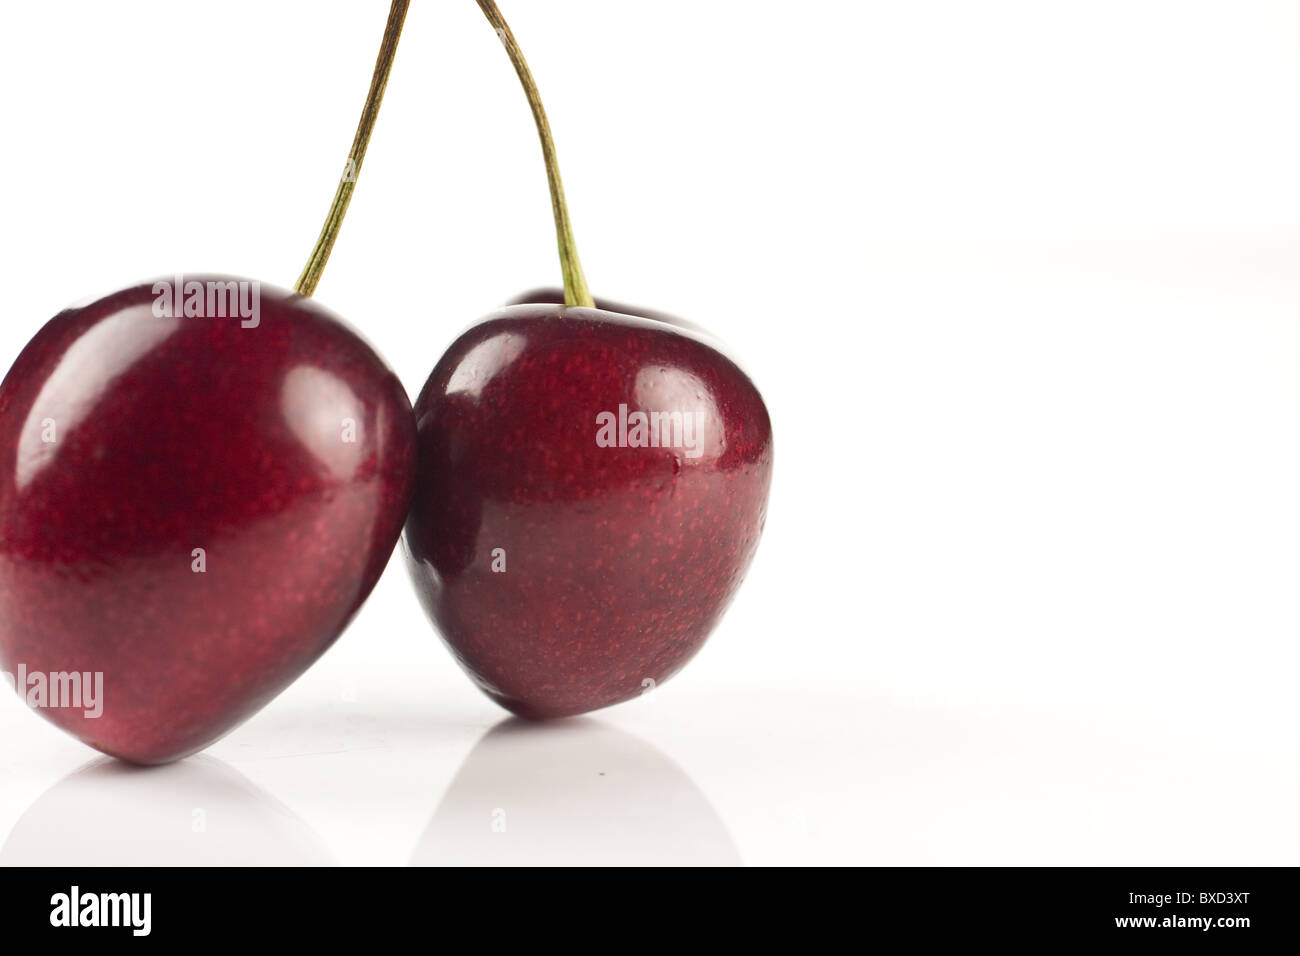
(556, 297)
(202, 479)
(591, 487)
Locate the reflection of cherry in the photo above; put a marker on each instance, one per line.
(572, 793)
(565, 563)
(203, 478)
(199, 813)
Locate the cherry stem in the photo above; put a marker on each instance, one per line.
(320, 255)
(575, 283)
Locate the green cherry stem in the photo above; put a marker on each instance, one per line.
(320, 255)
(575, 283)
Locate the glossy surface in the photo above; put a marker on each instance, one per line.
(618, 561)
(554, 295)
(192, 506)
(556, 788)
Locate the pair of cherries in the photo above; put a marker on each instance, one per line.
(202, 479)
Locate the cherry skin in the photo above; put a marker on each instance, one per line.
(567, 572)
(193, 507)
(555, 296)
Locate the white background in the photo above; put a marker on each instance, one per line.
(1019, 281)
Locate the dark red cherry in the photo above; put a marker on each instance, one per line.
(192, 506)
(553, 295)
(591, 487)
